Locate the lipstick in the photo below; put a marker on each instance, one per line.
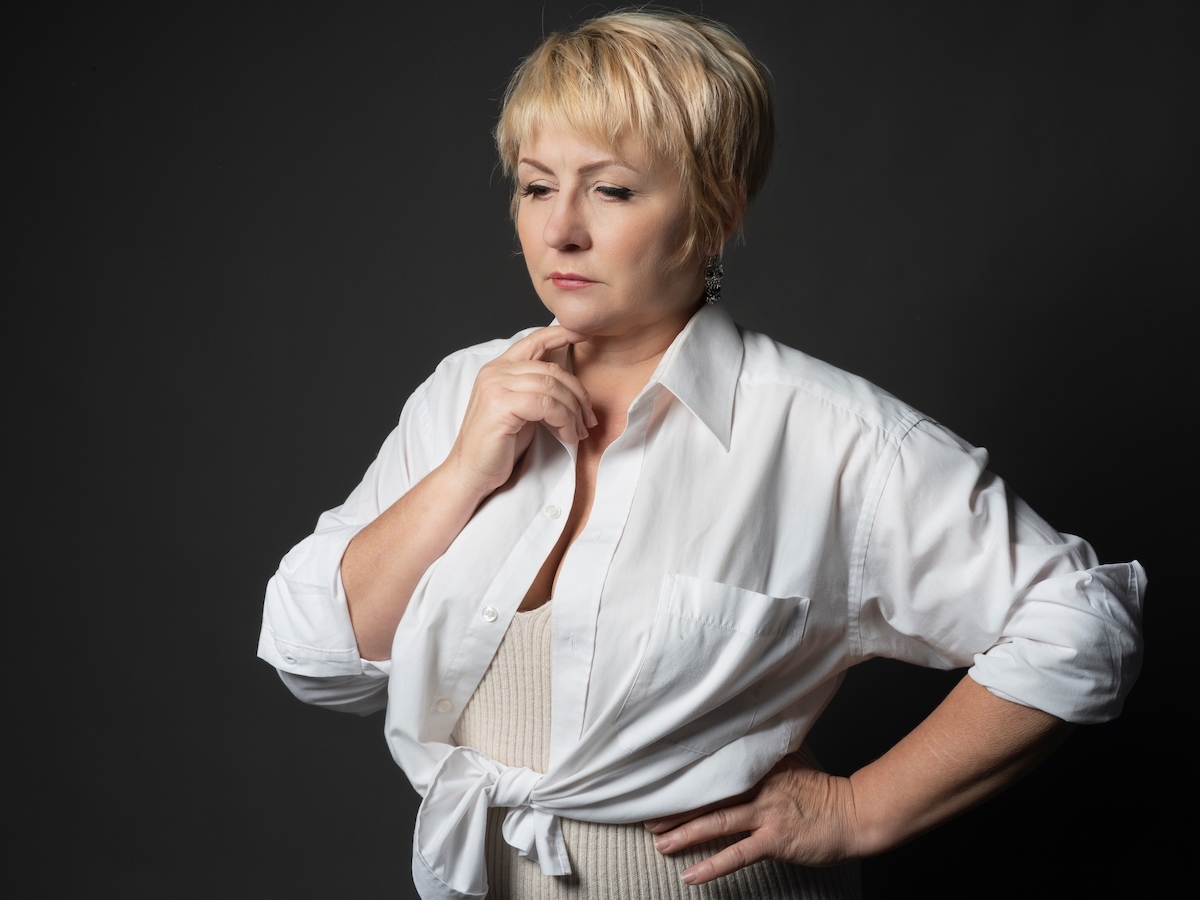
(570, 281)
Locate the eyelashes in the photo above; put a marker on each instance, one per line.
(606, 190)
(617, 193)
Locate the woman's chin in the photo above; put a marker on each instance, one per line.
(600, 322)
(588, 319)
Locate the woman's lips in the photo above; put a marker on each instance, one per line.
(569, 281)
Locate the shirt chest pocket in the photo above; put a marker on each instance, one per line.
(710, 647)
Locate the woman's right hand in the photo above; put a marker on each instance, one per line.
(384, 562)
(512, 393)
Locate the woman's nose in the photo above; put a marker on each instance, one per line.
(566, 228)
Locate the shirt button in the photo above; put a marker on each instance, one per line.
(489, 614)
(443, 706)
(553, 512)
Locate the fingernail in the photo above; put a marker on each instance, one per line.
(592, 416)
(650, 823)
(689, 877)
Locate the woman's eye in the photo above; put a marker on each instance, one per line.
(534, 190)
(617, 193)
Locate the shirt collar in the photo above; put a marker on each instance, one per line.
(701, 369)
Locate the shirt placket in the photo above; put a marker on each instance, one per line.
(583, 574)
(481, 625)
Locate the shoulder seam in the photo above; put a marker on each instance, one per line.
(866, 526)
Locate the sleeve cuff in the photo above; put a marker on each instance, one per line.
(315, 662)
(306, 627)
(1075, 652)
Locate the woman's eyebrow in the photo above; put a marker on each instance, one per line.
(583, 170)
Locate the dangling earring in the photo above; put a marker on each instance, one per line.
(713, 273)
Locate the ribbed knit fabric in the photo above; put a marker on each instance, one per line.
(508, 718)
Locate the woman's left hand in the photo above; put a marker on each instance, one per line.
(969, 748)
(796, 814)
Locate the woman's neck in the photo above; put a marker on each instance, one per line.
(615, 369)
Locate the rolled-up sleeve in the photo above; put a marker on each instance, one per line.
(306, 630)
(958, 571)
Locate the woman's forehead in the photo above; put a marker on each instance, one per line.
(558, 137)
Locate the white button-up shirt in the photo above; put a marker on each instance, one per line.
(764, 522)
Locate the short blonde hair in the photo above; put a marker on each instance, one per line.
(686, 87)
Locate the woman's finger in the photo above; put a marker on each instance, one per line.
(658, 826)
(667, 823)
(718, 823)
(541, 407)
(549, 397)
(551, 370)
(744, 853)
(545, 340)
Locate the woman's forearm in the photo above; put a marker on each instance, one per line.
(386, 560)
(972, 746)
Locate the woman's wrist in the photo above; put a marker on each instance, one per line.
(460, 486)
(872, 829)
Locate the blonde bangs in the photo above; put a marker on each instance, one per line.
(687, 89)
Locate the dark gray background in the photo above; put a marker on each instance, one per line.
(241, 235)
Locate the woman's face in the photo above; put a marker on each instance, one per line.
(600, 233)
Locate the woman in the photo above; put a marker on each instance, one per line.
(610, 571)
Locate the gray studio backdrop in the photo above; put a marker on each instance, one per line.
(259, 226)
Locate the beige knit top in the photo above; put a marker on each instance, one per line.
(508, 718)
